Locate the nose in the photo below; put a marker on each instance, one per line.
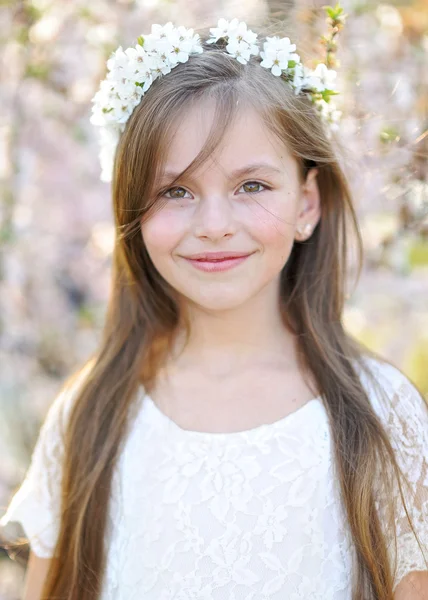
(214, 218)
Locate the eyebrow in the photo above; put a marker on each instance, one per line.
(237, 173)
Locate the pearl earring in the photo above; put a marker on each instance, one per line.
(307, 228)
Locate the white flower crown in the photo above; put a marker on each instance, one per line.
(131, 72)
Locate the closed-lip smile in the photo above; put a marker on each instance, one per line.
(215, 262)
(214, 256)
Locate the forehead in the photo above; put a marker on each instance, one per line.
(246, 140)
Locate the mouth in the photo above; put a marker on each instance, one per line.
(218, 259)
(214, 256)
(218, 264)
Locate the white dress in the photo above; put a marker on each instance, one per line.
(249, 515)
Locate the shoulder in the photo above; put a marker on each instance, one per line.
(389, 389)
(389, 376)
(400, 406)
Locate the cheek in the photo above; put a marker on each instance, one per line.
(273, 226)
(162, 233)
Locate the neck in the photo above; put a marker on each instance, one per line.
(223, 341)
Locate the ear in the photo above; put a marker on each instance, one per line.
(309, 207)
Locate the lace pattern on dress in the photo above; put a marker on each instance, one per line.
(252, 516)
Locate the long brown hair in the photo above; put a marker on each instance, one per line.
(143, 317)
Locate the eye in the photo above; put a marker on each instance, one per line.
(177, 193)
(251, 187)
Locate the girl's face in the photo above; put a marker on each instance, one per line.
(246, 198)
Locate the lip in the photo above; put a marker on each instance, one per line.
(217, 255)
(222, 264)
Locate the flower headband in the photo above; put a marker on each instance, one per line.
(131, 72)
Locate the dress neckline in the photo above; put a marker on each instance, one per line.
(254, 431)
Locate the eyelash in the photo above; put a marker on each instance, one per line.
(179, 187)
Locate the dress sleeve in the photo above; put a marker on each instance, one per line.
(36, 503)
(406, 421)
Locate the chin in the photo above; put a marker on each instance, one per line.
(217, 302)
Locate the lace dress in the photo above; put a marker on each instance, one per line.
(249, 515)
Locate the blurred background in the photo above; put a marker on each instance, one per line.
(56, 221)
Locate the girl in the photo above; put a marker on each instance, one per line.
(228, 440)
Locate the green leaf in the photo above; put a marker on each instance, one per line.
(334, 13)
(326, 94)
(140, 40)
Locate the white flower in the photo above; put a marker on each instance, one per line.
(150, 43)
(140, 65)
(120, 110)
(277, 43)
(221, 30)
(131, 72)
(329, 113)
(181, 47)
(322, 78)
(162, 31)
(239, 50)
(97, 118)
(300, 78)
(106, 90)
(241, 33)
(276, 54)
(109, 138)
(241, 40)
(117, 60)
(194, 38)
(130, 93)
(163, 47)
(276, 61)
(184, 33)
(161, 66)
